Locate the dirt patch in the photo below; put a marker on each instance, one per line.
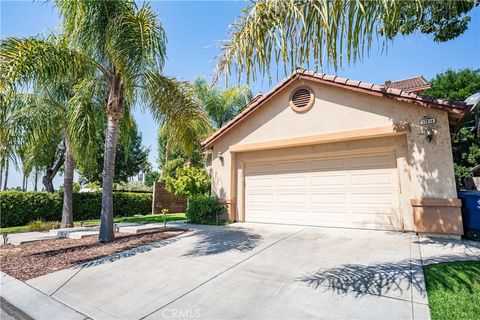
(31, 260)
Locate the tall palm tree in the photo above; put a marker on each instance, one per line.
(60, 110)
(297, 33)
(221, 106)
(125, 46)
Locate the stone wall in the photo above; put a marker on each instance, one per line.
(163, 199)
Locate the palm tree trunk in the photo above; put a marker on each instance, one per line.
(115, 109)
(1, 176)
(167, 151)
(67, 211)
(106, 219)
(6, 175)
(35, 183)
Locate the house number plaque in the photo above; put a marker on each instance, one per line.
(426, 120)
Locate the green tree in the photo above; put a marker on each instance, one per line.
(300, 33)
(221, 106)
(459, 85)
(9, 138)
(151, 177)
(56, 123)
(131, 156)
(177, 154)
(125, 46)
(188, 181)
(445, 21)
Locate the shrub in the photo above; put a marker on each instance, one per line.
(40, 225)
(75, 185)
(134, 186)
(189, 181)
(19, 208)
(204, 209)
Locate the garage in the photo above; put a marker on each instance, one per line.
(355, 191)
(321, 150)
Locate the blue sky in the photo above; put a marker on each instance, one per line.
(194, 28)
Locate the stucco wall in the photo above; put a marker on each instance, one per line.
(426, 170)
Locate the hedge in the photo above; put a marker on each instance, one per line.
(18, 208)
(204, 209)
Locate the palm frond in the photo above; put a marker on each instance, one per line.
(84, 117)
(175, 108)
(293, 33)
(221, 106)
(23, 60)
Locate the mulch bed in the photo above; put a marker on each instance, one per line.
(31, 260)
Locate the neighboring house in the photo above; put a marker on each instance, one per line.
(329, 151)
(413, 85)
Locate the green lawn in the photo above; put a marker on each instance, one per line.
(454, 290)
(139, 219)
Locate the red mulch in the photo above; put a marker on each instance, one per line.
(31, 260)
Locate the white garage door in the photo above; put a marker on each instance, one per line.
(358, 191)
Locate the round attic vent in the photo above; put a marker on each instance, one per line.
(302, 99)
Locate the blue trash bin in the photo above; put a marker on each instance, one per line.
(471, 213)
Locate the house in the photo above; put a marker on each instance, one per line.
(414, 85)
(328, 151)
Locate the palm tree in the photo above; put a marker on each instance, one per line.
(295, 33)
(8, 136)
(221, 106)
(183, 123)
(125, 46)
(52, 122)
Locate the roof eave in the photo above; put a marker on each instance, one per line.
(368, 88)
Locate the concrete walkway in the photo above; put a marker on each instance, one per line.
(21, 301)
(260, 271)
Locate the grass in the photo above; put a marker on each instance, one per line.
(453, 290)
(138, 219)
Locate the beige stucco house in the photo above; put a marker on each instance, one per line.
(328, 151)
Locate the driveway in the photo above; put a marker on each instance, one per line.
(259, 271)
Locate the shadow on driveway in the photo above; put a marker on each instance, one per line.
(375, 279)
(219, 241)
(127, 253)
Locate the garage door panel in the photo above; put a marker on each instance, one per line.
(291, 181)
(287, 197)
(372, 161)
(328, 164)
(356, 191)
(326, 199)
(261, 182)
(328, 180)
(260, 169)
(291, 166)
(374, 199)
(372, 178)
(258, 197)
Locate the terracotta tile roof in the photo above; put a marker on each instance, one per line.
(412, 84)
(456, 110)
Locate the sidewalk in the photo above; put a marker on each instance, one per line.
(21, 301)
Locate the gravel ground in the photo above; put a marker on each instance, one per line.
(31, 260)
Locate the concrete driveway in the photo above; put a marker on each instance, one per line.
(259, 271)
